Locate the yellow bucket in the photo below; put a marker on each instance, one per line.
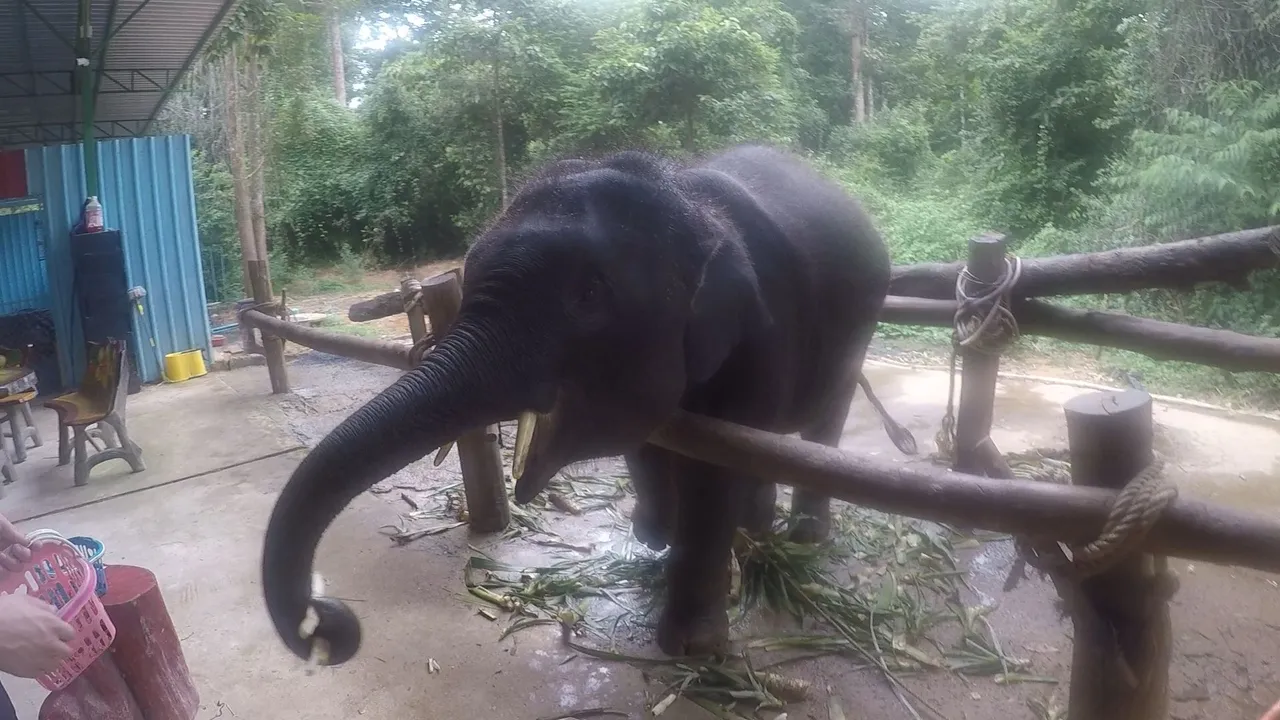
(180, 366)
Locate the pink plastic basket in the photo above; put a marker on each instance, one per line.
(60, 575)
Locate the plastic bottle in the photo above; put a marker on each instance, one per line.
(93, 215)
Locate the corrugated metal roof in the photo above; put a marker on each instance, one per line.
(149, 46)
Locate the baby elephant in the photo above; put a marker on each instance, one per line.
(608, 294)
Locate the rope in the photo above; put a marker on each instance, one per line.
(420, 348)
(983, 323)
(1135, 511)
(411, 293)
(1133, 514)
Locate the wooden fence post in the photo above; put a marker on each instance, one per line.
(981, 369)
(413, 307)
(483, 476)
(1123, 637)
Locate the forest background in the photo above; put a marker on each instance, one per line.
(363, 135)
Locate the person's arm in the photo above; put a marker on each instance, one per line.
(33, 639)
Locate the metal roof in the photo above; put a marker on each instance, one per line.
(149, 45)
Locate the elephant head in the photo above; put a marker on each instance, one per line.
(589, 306)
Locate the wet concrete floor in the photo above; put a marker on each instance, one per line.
(220, 447)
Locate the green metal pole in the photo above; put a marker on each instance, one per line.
(88, 100)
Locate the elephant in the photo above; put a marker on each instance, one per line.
(609, 293)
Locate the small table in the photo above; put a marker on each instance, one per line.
(17, 380)
(14, 380)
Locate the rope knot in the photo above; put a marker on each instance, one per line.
(411, 293)
(984, 322)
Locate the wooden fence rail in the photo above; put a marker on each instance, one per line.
(1233, 351)
(1228, 258)
(1188, 528)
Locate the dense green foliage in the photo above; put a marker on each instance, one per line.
(1072, 125)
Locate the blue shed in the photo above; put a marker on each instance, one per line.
(147, 194)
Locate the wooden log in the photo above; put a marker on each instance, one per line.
(981, 368)
(1123, 639)
(1188, 528)
(1228, 258)
(413, 309)
(99, 693)
(378, 352)
(146, 648)
(384, 305)
(1157, 339)
(900, 310)
(483, 477)
(1224, 349)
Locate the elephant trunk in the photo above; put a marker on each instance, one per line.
(466, 381)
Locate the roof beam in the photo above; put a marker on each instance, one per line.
(26, 53)
(111, 32)
(52, 28)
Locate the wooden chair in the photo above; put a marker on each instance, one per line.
(100, 399)
(17, 408)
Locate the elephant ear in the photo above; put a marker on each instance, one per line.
(726, 308)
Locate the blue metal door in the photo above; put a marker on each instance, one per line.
(24, 283)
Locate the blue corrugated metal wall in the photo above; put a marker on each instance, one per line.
(23, 282)
(147, 194)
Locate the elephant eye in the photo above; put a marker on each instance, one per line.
(591, 291)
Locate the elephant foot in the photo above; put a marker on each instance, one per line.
(694, 631)
(810, 530)
(761, 511)
(651, 527)
(810, 518)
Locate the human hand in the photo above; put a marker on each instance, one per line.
(13, 546)
(33, 639)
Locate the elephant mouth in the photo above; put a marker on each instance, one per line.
(532, 466)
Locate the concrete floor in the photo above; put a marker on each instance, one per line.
(219, 448)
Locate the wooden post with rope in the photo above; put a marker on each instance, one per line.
(411, 299)
(1123, 636)
(981, 293)
(483, 477)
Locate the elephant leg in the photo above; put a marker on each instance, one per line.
(810, 511)
(653, 518)
(761, 509)
(695, 620)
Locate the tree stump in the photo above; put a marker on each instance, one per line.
(146, 649)
(99, 693)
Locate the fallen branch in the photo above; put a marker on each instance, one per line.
(378, 352)
(1161, 340)
(1228, 258)
(1188, 528)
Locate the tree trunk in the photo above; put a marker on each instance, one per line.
(500, 149)
(336, 58)
(858, 31)
(256, 148)
(871, 99)
(239, 179)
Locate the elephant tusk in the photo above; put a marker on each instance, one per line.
(524, 439)
(442, 453)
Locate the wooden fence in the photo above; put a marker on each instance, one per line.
(1103, 538)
